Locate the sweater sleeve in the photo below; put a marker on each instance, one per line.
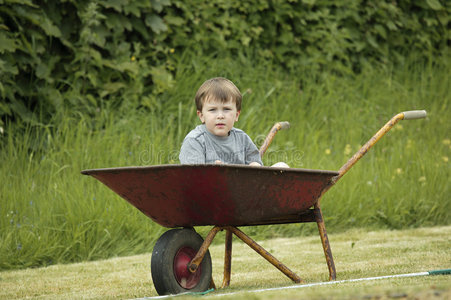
(192, 152)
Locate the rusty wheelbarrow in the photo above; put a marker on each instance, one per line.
(226, 197)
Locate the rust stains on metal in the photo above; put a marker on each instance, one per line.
(199, 195)
(195, 262)
(227, 259)
(365, 148)
(265, 254)
(325, 242)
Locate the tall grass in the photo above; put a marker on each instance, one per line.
(49, 213)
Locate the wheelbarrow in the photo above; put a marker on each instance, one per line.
(225, 197)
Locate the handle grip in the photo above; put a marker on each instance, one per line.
(414, 114)
(284, 125)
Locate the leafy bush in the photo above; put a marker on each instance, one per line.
(78, 55)
(75, 57)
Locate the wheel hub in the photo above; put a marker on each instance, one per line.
(184, 277)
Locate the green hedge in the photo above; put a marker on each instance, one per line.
(59, 57)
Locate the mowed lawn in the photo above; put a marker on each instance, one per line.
(357, 254)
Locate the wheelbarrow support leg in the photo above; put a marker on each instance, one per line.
(195, 262)
(266, 255)
(325, 241)
(227, 259)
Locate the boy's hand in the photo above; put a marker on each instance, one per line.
(219, 162)
(255, 164)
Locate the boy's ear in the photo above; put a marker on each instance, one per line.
(237, 115)
(201, 116)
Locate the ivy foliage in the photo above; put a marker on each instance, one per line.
(78, 56)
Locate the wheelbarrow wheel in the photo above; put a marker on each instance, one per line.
(169, 265)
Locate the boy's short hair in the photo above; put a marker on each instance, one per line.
(218, 88)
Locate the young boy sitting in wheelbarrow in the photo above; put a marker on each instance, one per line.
(218, 103)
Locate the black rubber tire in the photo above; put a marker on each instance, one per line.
(162, 263)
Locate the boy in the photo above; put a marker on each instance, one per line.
(218, 103)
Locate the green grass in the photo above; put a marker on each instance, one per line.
(357, 253)
(51, 214)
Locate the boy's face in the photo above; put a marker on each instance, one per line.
(219, 117)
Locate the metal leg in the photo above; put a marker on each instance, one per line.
(227, 259)
(325, 242)
(195, 262)
(266, 255)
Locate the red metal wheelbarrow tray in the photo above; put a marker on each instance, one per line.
(224, 195)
